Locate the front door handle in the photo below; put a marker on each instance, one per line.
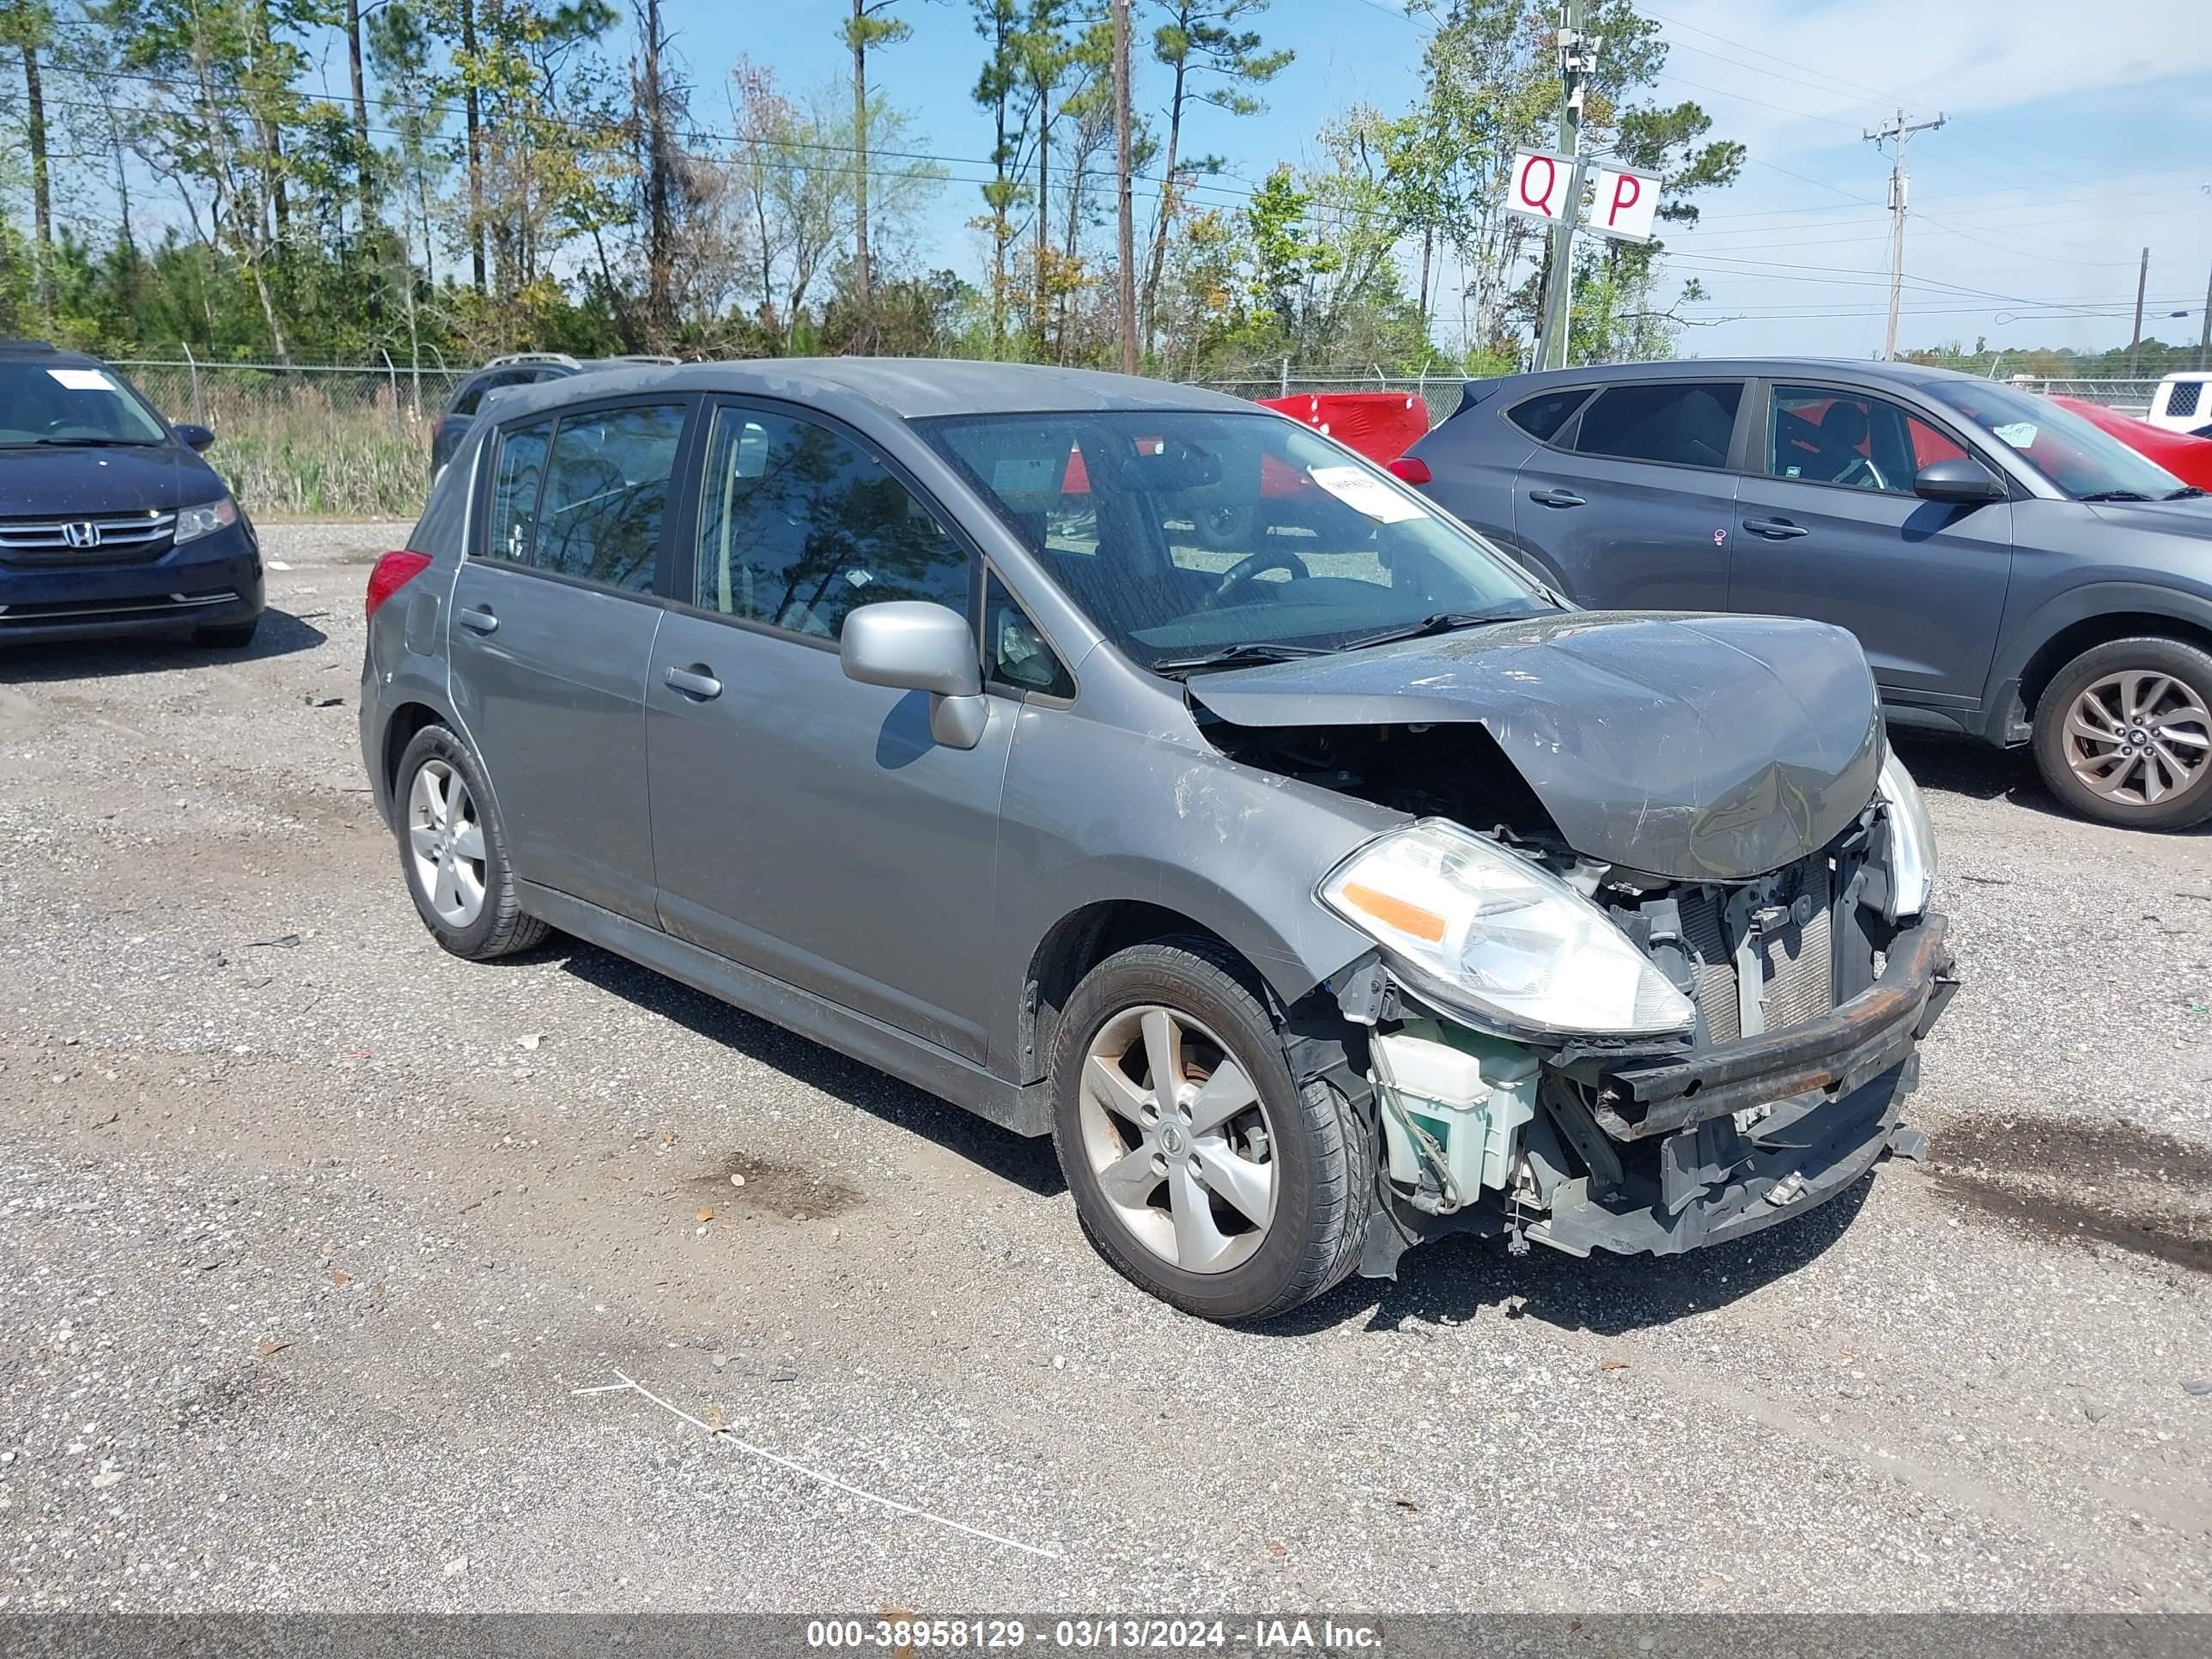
(479, 621)
(697, 681)
(1555, 498)
(1779, 530)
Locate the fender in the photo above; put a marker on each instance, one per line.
(2062, 611)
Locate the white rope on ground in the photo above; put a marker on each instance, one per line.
(627, 1385)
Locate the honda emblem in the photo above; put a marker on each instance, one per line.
(80, 535)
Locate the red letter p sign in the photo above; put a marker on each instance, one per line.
(1627, 205)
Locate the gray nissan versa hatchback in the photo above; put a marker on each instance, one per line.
(1315, 899)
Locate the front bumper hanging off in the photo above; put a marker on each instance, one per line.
(1709, 1146)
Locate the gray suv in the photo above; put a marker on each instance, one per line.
(2013, 573)
(1315, 899)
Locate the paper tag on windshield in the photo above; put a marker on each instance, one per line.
(2019, 434)
(1025, 476)
(1364, 493)
(83, 379)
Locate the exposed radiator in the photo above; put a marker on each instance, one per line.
(1798, 981)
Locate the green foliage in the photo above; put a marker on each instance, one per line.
(525, 223)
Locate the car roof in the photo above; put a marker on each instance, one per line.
(42, 351)
(907, 388)
(1896, 374)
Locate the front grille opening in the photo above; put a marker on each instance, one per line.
(68, 611)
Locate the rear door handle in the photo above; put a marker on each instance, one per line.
(1779, 530)
(697, 681)
(479, 621)
(1555, 498)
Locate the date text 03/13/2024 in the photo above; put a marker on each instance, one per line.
(907, 1633)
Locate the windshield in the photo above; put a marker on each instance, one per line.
(2087, 464)
(1186, 535)
(65, 403)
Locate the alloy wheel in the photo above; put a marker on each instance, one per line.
(446, 839)
(2138, 737)
(1176, 1131)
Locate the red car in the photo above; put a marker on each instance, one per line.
(2188, 458)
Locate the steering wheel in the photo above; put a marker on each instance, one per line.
(1861, 470)
(1249, 567)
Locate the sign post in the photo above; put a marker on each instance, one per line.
(1623, 205)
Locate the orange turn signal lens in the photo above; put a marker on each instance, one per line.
(1410, 919)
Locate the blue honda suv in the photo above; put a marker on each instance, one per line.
(110, 522)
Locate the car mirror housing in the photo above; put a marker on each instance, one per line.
(194, 436)
(1959, 480)
(913, 645)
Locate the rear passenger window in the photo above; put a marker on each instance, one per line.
(1541, 418)
(1686, 424)
(606, 491)
(510, 532)
(798, 526)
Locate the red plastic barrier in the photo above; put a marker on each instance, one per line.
(1379, 425)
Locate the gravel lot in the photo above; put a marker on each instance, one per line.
(308, 1232)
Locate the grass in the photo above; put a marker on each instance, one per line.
(330, 465)
(338, 446)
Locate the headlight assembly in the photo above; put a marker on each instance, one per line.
(1487, 932)
(1911, 843)
(194, 522)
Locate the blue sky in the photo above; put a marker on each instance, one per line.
(2071, 145)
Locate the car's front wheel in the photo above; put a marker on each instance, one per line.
(454, 851)
(1201, 1169)
(2123, 733)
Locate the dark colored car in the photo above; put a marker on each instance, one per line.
(2012, 571)
(517, 369)
(110, 522)
(1315, 900)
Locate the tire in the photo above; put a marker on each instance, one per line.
(1319, 1154)
(232, 637)
(2176, 680)
(496, 925)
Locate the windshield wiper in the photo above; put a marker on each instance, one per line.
(1239, 656)
(1442, 621)
(90, 443)
(2114, 496)
(2183, 494)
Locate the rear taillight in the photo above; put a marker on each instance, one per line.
(391, 573)
(1412, 468)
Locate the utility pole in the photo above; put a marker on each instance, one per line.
(1896, 133)
(2204, 333)
(1577, 58)
(1125, 283)
(2142, 286)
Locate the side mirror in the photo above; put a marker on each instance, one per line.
(1959, 480)
(194, 436)
(912, 645)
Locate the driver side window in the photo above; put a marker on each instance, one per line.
(798, 526)
(1817, 434)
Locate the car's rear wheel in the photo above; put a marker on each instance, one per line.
(1201, 1169)
(2123, 734)
(454, 851)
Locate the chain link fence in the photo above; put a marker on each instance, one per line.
(352, 440)
(2123, 397)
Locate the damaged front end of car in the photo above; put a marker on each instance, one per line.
(1672, 992)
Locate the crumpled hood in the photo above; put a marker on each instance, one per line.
(1696, 747)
